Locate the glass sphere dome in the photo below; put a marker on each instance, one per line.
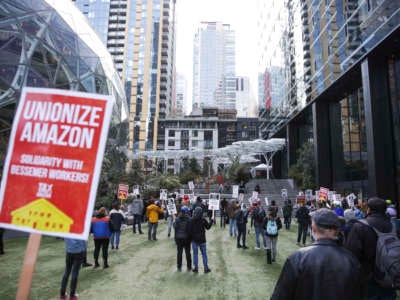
(49, 43)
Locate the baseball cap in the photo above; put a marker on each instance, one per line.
(325, 218)
(184, 208)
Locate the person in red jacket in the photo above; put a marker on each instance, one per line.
(101, 229)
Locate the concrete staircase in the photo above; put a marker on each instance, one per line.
(268, 188)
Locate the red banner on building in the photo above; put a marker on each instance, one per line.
(54, 161)
(123, 191)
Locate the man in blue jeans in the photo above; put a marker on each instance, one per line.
(197, 233)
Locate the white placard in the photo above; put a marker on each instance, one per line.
(163, 194)
(284, 193)
(350, 199)
(241, 197)
(309, 194)
(182, 191)
(235, 191)
(171, 207)
(213, 201)
(266, 201)
(191, 185)
(255, 195)
(136, 190)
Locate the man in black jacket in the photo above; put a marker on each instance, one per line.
(303, 220)
(362, 242)
(323, 270)
(182, 238)
(197, 233)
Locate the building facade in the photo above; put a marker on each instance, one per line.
(140, 35)
(214, 66)
(349, 93)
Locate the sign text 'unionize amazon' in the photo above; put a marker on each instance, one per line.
(53, 162)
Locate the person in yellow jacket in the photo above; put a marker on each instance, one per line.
(152, 212)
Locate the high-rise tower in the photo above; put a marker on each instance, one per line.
(214, 79)
(140, 35)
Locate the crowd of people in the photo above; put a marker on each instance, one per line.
(344, 252)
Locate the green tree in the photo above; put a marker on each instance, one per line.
(303, 171)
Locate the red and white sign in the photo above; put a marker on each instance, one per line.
(53, 162)
(323, 193)
(123, 191)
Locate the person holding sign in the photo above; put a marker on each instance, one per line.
(182, 238)
(74, 257)
(197, 234)
(152, 213)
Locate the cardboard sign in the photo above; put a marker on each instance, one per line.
(323, 193)
(171, 207)
(163, 194)
(309, 194)
(123, 191)
(350, 199)
(53, 162)
(235, 191)
(213, 201)
(191, 185)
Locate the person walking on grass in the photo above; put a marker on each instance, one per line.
(258, 217)
(137, 211)
(116, 218)
(241, 220)
(75, 251)
(182, 238)
(272, 225)
(152, 213)
(197, 234)
(101, 229)
(303, 220)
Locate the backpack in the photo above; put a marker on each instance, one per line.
(259, 214)
(387, 259)
(272, 228)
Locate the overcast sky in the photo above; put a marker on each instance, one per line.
(240, 14)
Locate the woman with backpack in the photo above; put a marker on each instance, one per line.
(271, 226)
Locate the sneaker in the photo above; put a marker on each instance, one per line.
(298, 244)
(195, 271)
(112, 247)
(63, 296)
(141, 232)
(245, 247)
(169, 234)
(179, 269)
(116, 247)
(96, 265)
(239, 246)
(304, 245)
(208, 270)
(265, 248)
(189, 269)
(74, 297)
(257, 248)
(106, 266)
(86, 264)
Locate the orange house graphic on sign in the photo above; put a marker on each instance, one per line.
(41, 215)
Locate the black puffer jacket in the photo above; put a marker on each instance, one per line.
(322, 271)
(361, 241)
(197, 227)
(180, 227)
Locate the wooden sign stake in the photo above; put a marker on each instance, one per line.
(25, 279)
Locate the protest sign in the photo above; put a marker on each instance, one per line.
(53, 162)
(350, 199)
(308, 195)
(191, 185)
(241, 197)
(300, 199)
(284, 193)
(171, 207)
(254, 196)
(266, 201)
(213, 201)
(136, 190)
(323, 193)
(163, 194)
(123, 191)
(235, 191)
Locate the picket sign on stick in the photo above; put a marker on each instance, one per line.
(25, 279)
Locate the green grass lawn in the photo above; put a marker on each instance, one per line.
(147, 270)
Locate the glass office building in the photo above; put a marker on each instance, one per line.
(344, 72)
(140, 35)
(48, 43)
